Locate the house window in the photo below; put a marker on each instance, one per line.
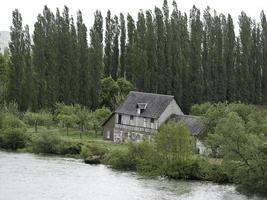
(145, 120)
(108, 134)
(119, 119)
(151, 122)
(131, 120)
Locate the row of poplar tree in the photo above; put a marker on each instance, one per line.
(196, 58)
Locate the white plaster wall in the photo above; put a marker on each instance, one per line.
(172, 108)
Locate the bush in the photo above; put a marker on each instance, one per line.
(11, 121)
(47, 142)
(141, 157)
(69, 148)
(200, 109)
(120, 159)
(93, 150)
(13, 139)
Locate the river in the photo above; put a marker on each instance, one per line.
(25, 176)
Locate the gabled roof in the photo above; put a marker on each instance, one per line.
(156, 104)
(194, 123)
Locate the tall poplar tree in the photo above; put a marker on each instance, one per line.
(16, 47)
(27, 81)
(229, 59)
(96, 59)
(84, 87)
(168, 38)
(151, 81)
(130, 46)
(207, 56)
(74, 64)
(219, 67)
(195, 73)
(257, 64)
(264, 56)
(108, 45)
(64, 56)
(185, 63)
(247, 85)
(141, 69)
(122, 45)
(115, 47)
(160, 86)
(174, 60)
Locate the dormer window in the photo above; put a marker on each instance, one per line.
(141, 107)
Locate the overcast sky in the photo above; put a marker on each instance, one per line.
(30, 8)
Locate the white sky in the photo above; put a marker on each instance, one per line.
(30, 8)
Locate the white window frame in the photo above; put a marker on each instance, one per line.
(145, 122)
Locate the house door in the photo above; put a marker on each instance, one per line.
(108, 134)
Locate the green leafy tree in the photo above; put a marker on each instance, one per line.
(242, 152)
(109, 91)
(83, 116)
(174, 143)
(97, 117)
(124, 88)
(37, 119)
(66, 115)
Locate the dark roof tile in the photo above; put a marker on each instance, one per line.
(156, 104)
(194, 123)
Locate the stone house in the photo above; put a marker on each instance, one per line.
(141, 114)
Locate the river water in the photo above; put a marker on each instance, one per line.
(26, 176)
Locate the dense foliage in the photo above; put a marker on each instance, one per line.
(237, 133)
(196, 58)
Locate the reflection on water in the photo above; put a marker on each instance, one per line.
(31, 177)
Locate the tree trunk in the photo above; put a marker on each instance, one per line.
(35, 126)
(67, 130)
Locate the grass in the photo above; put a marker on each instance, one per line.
(88, 137)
